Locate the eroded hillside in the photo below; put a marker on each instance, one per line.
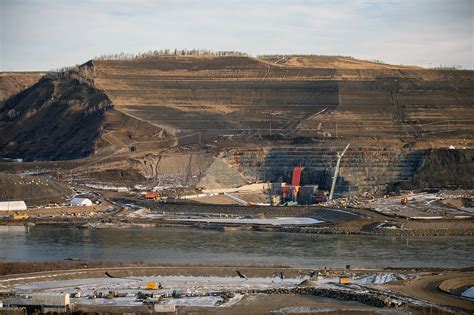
(57, 118)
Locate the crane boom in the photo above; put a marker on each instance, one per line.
(336, 171)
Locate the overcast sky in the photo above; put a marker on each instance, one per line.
(47, 34)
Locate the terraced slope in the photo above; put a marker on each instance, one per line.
(299, 97)
(318, 104)
(331, 62)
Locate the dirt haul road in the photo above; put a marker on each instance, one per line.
(426, 288)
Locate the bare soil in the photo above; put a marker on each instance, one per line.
(34, 190)
(424, 287)
(427, 288)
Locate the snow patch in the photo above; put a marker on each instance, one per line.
(274, 221)
(469, 293)
(379, 279)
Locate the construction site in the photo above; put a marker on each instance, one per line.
(320, 145)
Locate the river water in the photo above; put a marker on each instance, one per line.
(194, 246)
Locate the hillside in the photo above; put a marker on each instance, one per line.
(62, 117)
(233, 95)
(314, 97)
(12, 83)
(255, 118)
(331, 62)
(54, 119)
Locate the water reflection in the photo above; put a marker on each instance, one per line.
(193, 246)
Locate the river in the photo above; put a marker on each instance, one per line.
(195, 246)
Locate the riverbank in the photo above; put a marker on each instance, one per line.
(446, 213)
(377, 226)
(314, 220)
(369, 289)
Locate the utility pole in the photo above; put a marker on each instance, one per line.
(336, 171)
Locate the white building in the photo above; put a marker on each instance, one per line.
(80, 202)
(12, 205)
(52, 302)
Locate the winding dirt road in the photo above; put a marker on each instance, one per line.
(426, 288)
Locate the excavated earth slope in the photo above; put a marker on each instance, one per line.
(234, 95)
(381, 109)
(135, 105)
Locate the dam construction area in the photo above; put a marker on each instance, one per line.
(196, 182)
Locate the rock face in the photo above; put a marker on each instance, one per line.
(363, 169)
(447, 168)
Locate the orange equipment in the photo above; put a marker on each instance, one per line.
(152, 195)
(404, 200)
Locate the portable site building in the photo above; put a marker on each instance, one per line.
(52, 302)
(12, 205)
(80, 202)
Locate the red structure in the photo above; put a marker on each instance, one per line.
(295, 179)
(152, 195)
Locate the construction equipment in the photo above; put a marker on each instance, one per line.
(152, 196)
(17, 216)
(152, 286)
(289, 193)
(344, 280)
(404, 200)
(336, 171)
(295, 181)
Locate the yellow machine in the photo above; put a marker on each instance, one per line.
(344, 280)
(152, 286)
(18, 216)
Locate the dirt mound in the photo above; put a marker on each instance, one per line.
(33, 190)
